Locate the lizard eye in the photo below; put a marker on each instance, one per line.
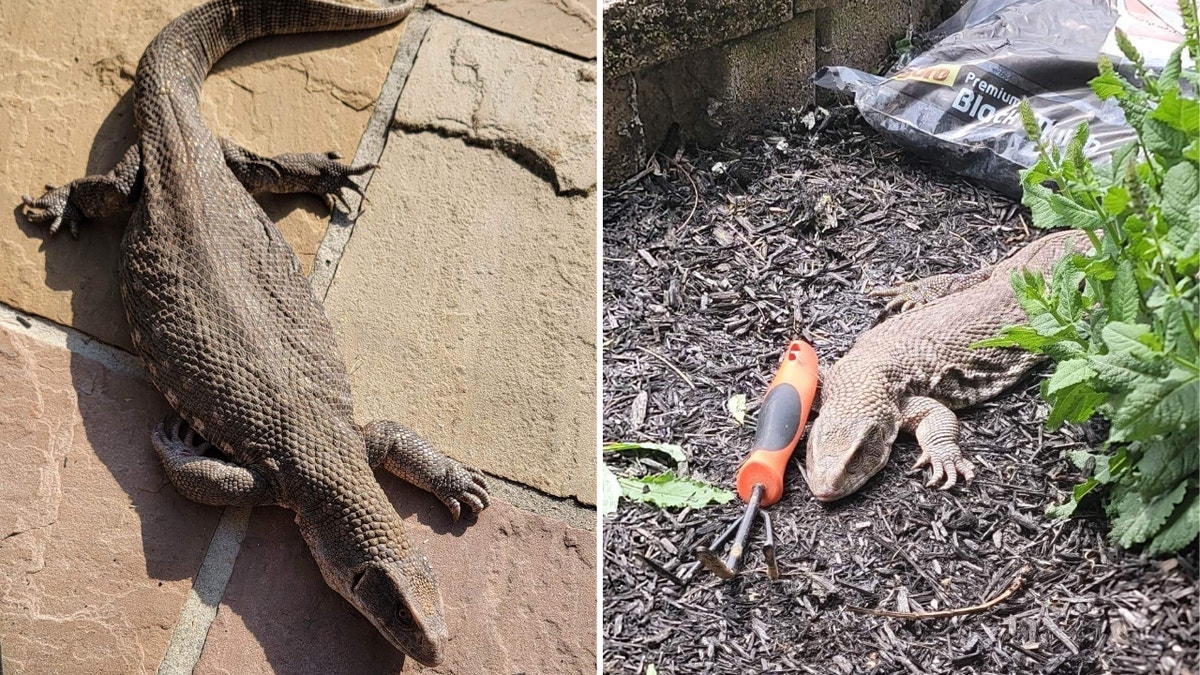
(402, 613)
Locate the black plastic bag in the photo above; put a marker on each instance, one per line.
(957, 102)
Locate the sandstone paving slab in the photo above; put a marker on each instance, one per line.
(65, 111)
(569, 25)
(464, 306)
(537, 105)
(97, 551)
(519, 593)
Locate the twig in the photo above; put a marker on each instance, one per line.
(946, 613)
(695, 194)
(670, 365)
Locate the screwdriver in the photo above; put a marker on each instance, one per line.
(781, 420)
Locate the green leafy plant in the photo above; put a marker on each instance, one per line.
(665, 490)
(1121, 321)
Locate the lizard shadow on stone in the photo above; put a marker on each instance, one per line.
(412, 502)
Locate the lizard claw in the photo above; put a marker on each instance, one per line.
(947, 465)
(336, 178)
(462, 485)
(901, 298)
(54, 209)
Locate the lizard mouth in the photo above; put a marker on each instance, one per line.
(826, 497)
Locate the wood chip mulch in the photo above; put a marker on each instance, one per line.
(713, 260)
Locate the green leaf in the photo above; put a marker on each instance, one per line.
(1181, 529)
(1080, 458)
(666, 490)
(1069, 373)
(1182, 114)
(1108, 84)
(1039, 173)
(1168, 79)
(1051, 210)
(1022, 337)
(1122, 155)
(1180, 339)
(1130, 338)
(1065, 281)
(1164, 140)
(1156, 406)
(1165, 461)
(610, 491)
(670, 450)
(1181, 209)
(1037, 198)
(1115, 200)
(737, 408)
(1074, 403)
(1124, 299)
(1137, 519)
(1067, 508)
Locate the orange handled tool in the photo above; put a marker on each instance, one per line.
(781, 421)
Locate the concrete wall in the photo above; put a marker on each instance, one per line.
(724, 68)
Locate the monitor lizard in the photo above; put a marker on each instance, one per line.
(232, 335)
(911, 371)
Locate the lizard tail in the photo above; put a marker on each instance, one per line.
(177, 60)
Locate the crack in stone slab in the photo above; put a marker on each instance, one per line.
(498, 92)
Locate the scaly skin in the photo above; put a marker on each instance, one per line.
(910, 372)
(233, 337)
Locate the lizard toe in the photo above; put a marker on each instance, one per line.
(53, 209)
(476, 502)
(455, 509)
(966, 468)
(462, 485)
(921, 462)
(951, 476)
(939, 474)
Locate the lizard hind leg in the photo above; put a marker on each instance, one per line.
(936, 429)
(402, 452)
(316, 172)
(207, 480)
(913, 294)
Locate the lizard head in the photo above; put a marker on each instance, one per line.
(402, 600)
(844, 452)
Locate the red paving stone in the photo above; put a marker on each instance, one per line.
(519, 591)
(97, 552)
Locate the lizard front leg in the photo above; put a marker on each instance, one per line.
(401, 451)
(315, 172)
(89, 197)
(204, 479)
(936, 429)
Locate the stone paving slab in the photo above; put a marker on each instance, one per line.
(66, 111)
(464, 307)
(518, 592)
(567, 25)
(96, 551)
(536, 105)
